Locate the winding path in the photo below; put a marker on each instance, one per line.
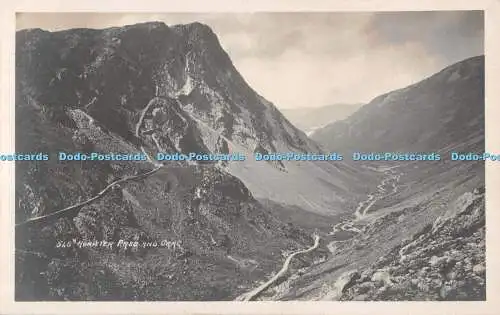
(68, 210)
(101, 194)
(138, 129)
(255, 292)
(364, 206)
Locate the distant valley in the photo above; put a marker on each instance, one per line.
(310, 119)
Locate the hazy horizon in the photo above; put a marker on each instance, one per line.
(300, 60)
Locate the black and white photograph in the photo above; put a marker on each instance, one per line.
(250, 156)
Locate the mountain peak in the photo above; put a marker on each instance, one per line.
(196, 32)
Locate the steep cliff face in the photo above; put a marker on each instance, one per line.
(112, 75)
(146, 88)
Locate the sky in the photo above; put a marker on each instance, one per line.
(315, 59)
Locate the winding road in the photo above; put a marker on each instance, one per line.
(255, 292)
(362, 210)
(68, 210)
(363, 207)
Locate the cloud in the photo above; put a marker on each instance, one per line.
(299, 79)
(449, 35)
(315, 59)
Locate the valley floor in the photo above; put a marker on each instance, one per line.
(422, 249)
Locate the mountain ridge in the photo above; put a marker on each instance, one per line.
(356, 135)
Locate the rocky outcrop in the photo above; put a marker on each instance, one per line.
(445, 261)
